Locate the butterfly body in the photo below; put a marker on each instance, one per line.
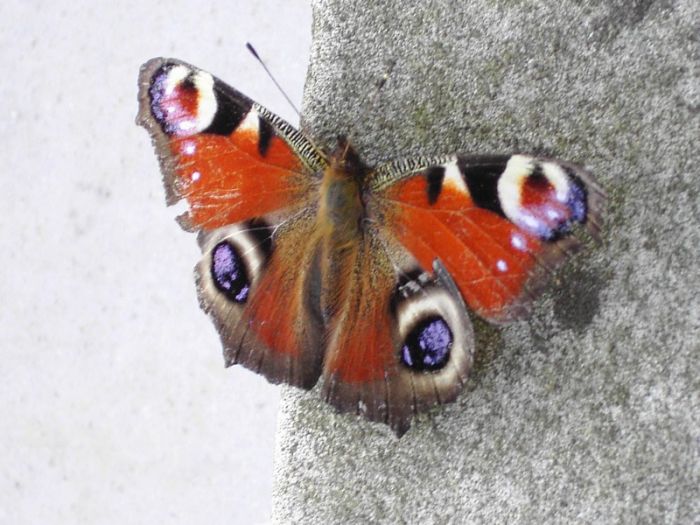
(317, 266)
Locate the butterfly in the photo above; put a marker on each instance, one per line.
(318, 267)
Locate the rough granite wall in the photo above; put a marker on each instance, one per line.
(589, 411)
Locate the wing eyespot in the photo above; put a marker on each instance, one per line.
(236, 258)
(430, 323)
(428, 344)
(541, 197)
(229, 273)
(182, 100)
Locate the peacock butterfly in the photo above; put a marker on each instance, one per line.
(316, 265)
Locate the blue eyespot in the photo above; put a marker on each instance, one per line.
(427, 346)
(229, 273)
(577, 202)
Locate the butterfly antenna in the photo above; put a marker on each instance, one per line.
(269, 74)
(375, 96)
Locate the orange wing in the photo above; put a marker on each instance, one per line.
(500, 225)
(401, 340)
(228, 156)
(251, 184)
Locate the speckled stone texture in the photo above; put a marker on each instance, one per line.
(589, 411)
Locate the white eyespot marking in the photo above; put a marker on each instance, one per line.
(453, 177)
(501, 265)
(518, 242)
(206, 100)
(251, 122)
(195, 176)
(510, 185)
(189, 148)
(553, 215)
(532, 223)
(558, 179)
(175, 76)
(187, 126)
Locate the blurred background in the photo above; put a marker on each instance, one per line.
(115, 405)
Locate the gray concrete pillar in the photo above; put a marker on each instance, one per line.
(589, 411)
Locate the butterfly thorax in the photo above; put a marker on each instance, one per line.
(341, 209)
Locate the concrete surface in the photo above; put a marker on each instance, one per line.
(589, 412)
(115, 407)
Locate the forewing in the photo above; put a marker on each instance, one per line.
(500, 224)
(229, 157)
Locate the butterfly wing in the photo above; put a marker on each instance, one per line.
(499, 224)
(400, 339)
(249, 180)
(229, 157)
